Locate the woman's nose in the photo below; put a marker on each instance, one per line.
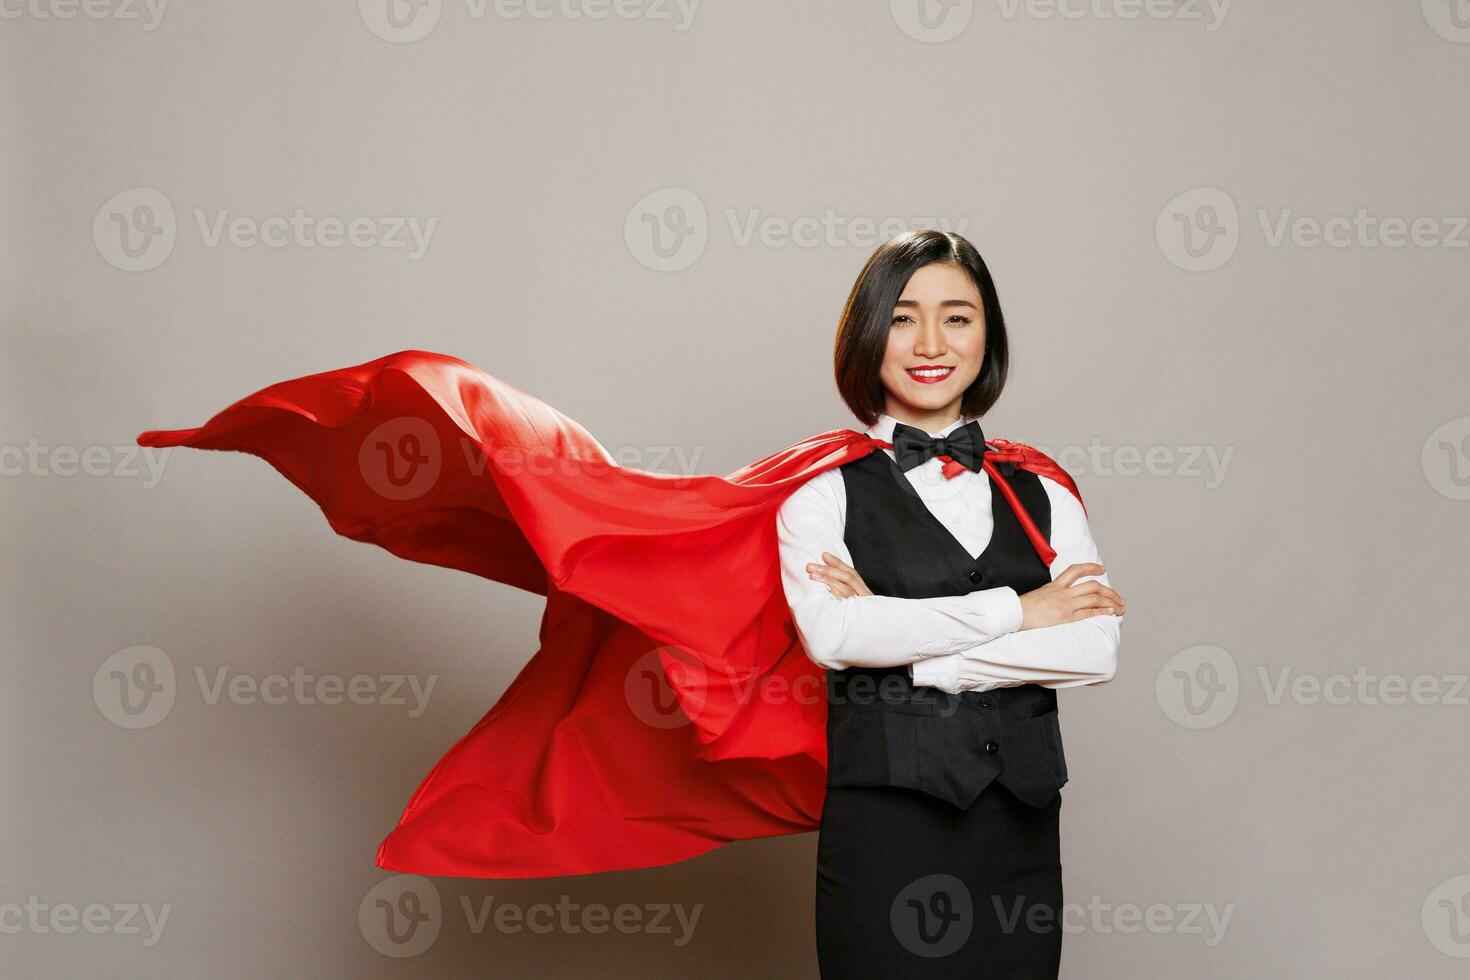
(930, 342)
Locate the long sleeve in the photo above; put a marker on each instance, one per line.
(872, 631)
(1066, 655)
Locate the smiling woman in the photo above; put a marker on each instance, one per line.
(946, 597)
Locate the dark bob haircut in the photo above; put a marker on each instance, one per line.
(862, 334)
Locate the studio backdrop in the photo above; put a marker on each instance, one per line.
(1231, 243)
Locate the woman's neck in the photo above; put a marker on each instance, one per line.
(930, 421)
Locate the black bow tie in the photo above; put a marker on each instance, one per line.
(965, 445)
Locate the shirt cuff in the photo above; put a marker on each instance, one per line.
(1003, 610)
(929, 672)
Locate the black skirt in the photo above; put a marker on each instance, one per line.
(909, 885)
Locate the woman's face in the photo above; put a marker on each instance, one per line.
(938, 322)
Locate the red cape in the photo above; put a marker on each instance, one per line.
(671, 707)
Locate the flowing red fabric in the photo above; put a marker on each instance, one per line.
(670, 709)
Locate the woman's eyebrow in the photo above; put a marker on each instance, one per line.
(947, 302)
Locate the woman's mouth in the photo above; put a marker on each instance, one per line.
(929, 374)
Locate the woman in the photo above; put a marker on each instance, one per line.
(943, 634)
(668, 711)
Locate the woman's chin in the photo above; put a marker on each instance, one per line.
(929, 398)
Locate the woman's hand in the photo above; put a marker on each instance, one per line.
(1065, 600)
(840, 578)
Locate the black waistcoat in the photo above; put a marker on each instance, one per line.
(882, 730)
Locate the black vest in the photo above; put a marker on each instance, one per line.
(884, 731)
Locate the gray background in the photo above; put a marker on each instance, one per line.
(1333, 834)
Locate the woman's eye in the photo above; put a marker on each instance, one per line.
(957, 318)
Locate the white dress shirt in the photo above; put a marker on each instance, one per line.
(970, 642)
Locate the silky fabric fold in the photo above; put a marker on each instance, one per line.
(668, 711)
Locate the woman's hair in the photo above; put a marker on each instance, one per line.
(862, 333)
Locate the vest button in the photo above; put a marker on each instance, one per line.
(986, 702)
(991, 747)
(976, 575)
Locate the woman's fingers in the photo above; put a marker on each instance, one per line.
(1096, 601)
(1089, 613)
(840, 578)
(1098, 588)
(836, 562)
(826, 574)
(1072, 573)
(831, 577)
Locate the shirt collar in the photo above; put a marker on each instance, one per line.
(883, 428)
